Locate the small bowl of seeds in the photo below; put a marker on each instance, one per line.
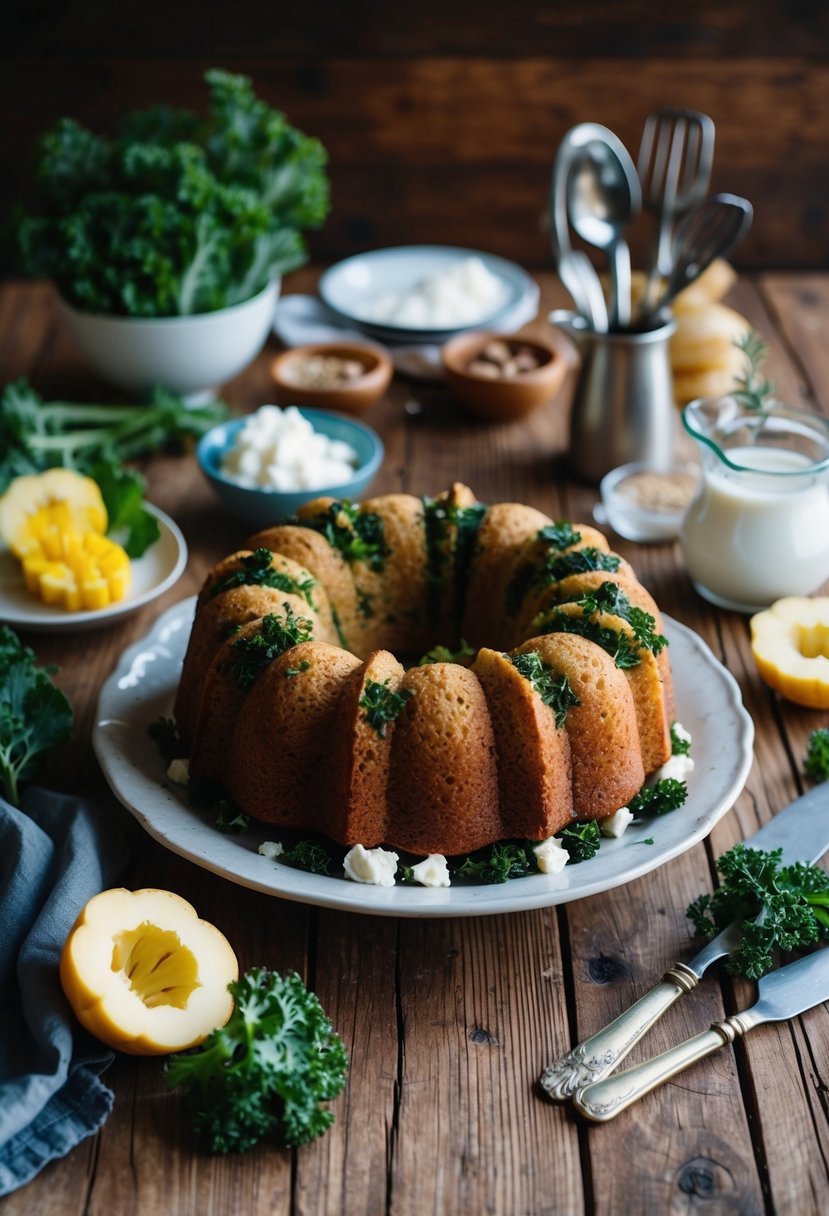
(645, 503)
(503, 377)
(345, 376)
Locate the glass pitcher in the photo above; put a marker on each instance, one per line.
(758, 528)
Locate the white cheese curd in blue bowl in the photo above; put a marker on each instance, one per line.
(265, 465)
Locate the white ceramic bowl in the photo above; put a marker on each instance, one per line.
(190, 355)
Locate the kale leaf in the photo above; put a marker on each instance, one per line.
(777, 907)
(266, 1072)
(817, 755)
(554, 690)
(34, 715)
(382, 705)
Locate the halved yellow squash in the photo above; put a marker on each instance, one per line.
(790, 644)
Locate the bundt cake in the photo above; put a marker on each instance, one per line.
(291, 695)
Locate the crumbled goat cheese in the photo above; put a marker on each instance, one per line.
(280, 450)
(551, 856)
(375, 866)
(178, 771)
(615, 824)
(271, 849)
(463, 294)
(433, 871)
(678, 767)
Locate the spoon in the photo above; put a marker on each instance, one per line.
(603, 196)
(708, 232)
(574, 267)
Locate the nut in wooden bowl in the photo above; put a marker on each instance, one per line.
(502, 377)
(344, 376)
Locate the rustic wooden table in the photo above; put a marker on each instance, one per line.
(448, 1023)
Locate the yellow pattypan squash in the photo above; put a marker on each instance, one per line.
(790, 644)
(144, 974)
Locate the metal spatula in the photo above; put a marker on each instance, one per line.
(675, 159)
(708, 232)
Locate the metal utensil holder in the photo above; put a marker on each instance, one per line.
(623, 405)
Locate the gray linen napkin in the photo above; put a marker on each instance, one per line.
(55, 855)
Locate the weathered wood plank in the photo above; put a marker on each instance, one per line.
(470, 1134)
(633, 30)
(460, 149)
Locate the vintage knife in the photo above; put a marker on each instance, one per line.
(801, 830)
(783, 994)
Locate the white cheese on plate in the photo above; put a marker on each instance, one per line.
(614, 825)
(271, 849)
(178, 771)
(551, 856)
(433, 871)
(376, 867)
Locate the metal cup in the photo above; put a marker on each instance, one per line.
(623, 405)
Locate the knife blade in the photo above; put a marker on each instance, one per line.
(801, 830)
(782, 994)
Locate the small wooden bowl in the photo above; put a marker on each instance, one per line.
(502, 398)
(350, 397)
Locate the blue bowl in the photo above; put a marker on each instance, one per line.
(260, 508)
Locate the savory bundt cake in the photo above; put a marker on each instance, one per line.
(532, 686)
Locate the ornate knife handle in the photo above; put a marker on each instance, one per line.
(604, 1100)
(597, 1056)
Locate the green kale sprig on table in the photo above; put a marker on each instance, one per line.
(96, 440)
(178, 214)
(34, 714)
(266, 1072)
(777, 906)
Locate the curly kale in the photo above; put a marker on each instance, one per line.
(178, 214)
(552, 539)
(560, 535)
(679, 745)
(498, 863)
(609, 597)
(451, 533)
(34, 715)
(267, 1072)
(310, 855)
(581, 840)
(554, 690)
(382, 705)
(817, 755)
(357, 535)
(665, 795)
(252, 654)
(257, 570)
(625, 650)
(777, 907)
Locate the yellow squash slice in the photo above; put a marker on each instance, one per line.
(790, 644)
(144, 974)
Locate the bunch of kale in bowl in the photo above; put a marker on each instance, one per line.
(177, 214)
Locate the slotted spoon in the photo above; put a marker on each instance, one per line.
(674, 167)
(711, 230)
